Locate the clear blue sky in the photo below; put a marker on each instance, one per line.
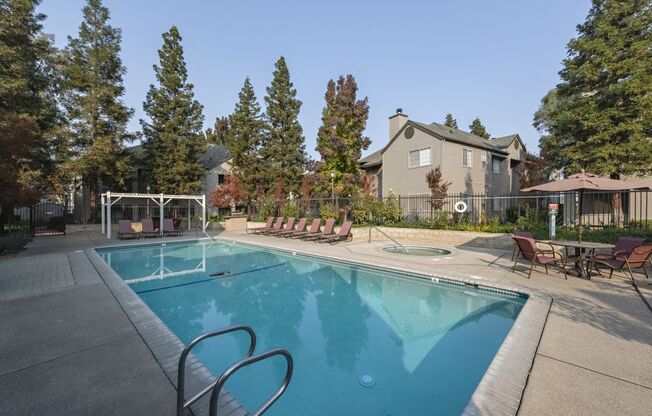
(492, 59)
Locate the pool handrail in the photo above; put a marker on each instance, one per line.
(248, 361)
(181, 371)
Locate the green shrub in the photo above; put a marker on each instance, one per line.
(327, 210)
(14, 242)
(266, 208)
(291, 209)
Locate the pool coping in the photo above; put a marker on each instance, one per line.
(164, 345)
(499, 392)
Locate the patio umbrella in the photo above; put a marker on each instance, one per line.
(582, 182)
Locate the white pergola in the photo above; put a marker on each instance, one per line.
(111, 198)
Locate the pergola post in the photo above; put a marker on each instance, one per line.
(203, 213)
(108, 215)
(103, 206)
(160, 220)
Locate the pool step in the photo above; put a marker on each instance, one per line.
(216, 387)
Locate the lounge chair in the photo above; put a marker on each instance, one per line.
(328, 230)
(530, 252)
(637, 258)
(301, 226)
(267, 226)
(624, 246)
(289, 226)
(314, 230)
(276, 226)
(344, 234)
(125, 230)
(148, 229)
(168, 228)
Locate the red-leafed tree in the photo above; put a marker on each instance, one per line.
(228, 194)
(438, 187)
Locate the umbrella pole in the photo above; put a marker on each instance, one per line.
(579, 212)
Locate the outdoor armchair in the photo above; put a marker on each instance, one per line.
(148, 228)
(168, 228)
(637, 258)
(125, 230)
(528, 249)
(624, 246)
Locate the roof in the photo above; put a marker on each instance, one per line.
(457, 135)
(373, 159)
(504, 141)
(215, 156)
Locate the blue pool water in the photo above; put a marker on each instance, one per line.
(424, 346)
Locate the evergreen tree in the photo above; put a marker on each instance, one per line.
(217, 134)
(174, 141)
(284, 147)
(340, 139)
(92, 87)
(450, 121)
(599, 117)
(478, 129)
(243, 139)
(28, 111)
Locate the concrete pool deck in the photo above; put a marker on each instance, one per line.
(68, 347)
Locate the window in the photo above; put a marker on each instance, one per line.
(418, 158)
(495, 165)
(483, 160)
(467, 158)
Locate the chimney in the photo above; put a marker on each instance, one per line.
(397, 121)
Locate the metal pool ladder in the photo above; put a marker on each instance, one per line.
(216, 387)
(385, 234)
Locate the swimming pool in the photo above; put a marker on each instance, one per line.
(364, 341)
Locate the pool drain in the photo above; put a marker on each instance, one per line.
(367, 381)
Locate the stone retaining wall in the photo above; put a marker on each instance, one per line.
(426, 236)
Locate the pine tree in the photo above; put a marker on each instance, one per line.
(450, 121)
(28, 111)
(92, 87)
(340, 139)
(217, 135)
(284, 147)
(599, 118)
(174, 142)
(478, 129)
(244, 137)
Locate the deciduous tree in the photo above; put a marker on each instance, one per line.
(173, 137)
(438, 187)
(341, 138)
(228, 194)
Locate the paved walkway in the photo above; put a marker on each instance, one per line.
(68, 348)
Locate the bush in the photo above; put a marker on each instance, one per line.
(291, 209)
(12, 243)
(267, 208)
(367, 210)
(327, 210)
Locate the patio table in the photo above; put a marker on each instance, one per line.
(583, 251)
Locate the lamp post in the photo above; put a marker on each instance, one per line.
(148, 189)
(333, 188)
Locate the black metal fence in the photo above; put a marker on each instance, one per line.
(38, 220)
(599, 209)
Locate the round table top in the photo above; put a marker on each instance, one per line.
(578, 244)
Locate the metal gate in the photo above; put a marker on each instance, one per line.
(48, 219)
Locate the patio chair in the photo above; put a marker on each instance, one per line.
(148, 229)
(125, 230)
(168, 228)
(344, 234)
(314, 230)
(276, 226)
(301, 226)
(637, 258)
(328, 230)
(267, 226)
(527, 234)
(289, 226)
(624, 246)
(530, 252)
